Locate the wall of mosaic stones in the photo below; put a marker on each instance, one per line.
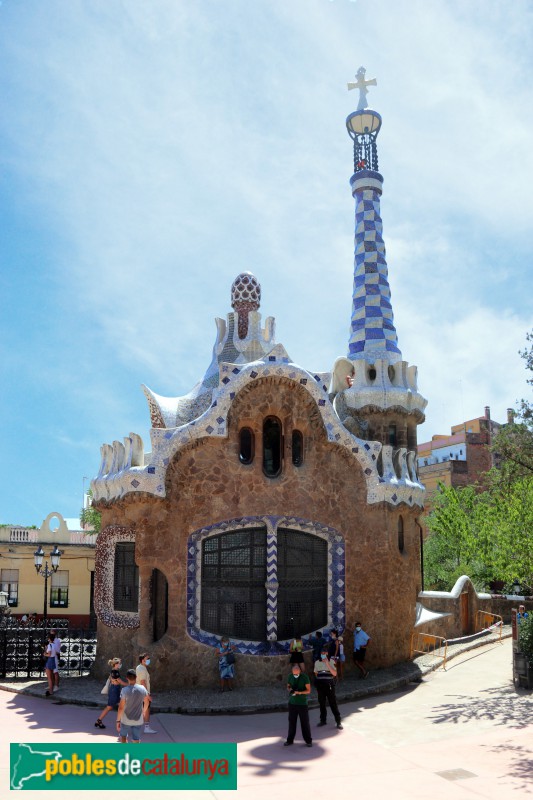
(206, 487)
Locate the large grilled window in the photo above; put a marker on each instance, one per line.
(126, 583)
(233, 584)
(303, 583)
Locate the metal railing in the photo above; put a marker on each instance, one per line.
(429, 645)
(492, 623)
(21, 651)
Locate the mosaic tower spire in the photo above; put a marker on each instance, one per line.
(372, 331)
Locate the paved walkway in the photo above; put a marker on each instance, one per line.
(463, 734)
(250, 700)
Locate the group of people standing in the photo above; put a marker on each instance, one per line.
(328, 666)
(131, 698)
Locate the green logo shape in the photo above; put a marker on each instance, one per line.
(113, 766)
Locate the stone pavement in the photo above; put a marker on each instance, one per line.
(249, 700)
(460, 734)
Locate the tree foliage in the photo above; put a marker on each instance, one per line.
(90, 517)
(488, 535)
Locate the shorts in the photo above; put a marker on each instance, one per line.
(131, 731)
(359, 655)
(50, 663)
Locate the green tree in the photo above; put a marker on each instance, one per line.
(513, 444)
(90, 517)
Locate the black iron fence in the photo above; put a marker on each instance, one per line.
(22, 648)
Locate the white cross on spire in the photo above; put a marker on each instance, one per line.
(361, 84)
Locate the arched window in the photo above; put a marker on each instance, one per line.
(246, 445)
(272, 447)
(233, 597)
(401, 543)
(297, 448)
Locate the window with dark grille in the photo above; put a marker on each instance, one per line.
(272, 447)
(126, 583)
(233, 584)
(303, 583)
(246, 445)
(9, 583)
(59, 589)
(297, 448)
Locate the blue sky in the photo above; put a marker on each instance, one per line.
(151, 151)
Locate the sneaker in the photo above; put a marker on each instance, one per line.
(287, 744)
(339, 726)
(366, 674)
(309, 744)
(148, 729)
(55, 689)
(321, 724)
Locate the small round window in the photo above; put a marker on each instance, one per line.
(297, 448)
(272, 447)
(246, 445)
(401, 543)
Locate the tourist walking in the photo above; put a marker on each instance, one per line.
(49, 663)
(226, 664)
(360, 643)
(132, 709)
(317, 641)
(299, 687)
(115, 684)
(325, 676)
(57, 654)
(333, 646)
(143, 679)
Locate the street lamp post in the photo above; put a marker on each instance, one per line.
(46, 572)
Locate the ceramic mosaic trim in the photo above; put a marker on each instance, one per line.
(104, 575)
(233, 378)
(336, 579)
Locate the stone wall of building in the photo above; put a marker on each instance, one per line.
(207, 484)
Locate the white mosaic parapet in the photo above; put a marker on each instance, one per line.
(116, 480)
(173, 412)
(394, 385)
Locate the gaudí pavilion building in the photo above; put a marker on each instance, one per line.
(274, 501)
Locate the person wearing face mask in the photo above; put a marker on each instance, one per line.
(143, 678)
(360, 643)
(113, 693)
(325, 676)
(299, 687)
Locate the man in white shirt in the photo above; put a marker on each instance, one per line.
(143, 679)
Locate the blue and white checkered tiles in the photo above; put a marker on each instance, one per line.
(372, 333)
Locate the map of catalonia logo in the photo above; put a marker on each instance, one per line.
(113, 766)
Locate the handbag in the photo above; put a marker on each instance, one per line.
(105, 690)
(230, 658)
